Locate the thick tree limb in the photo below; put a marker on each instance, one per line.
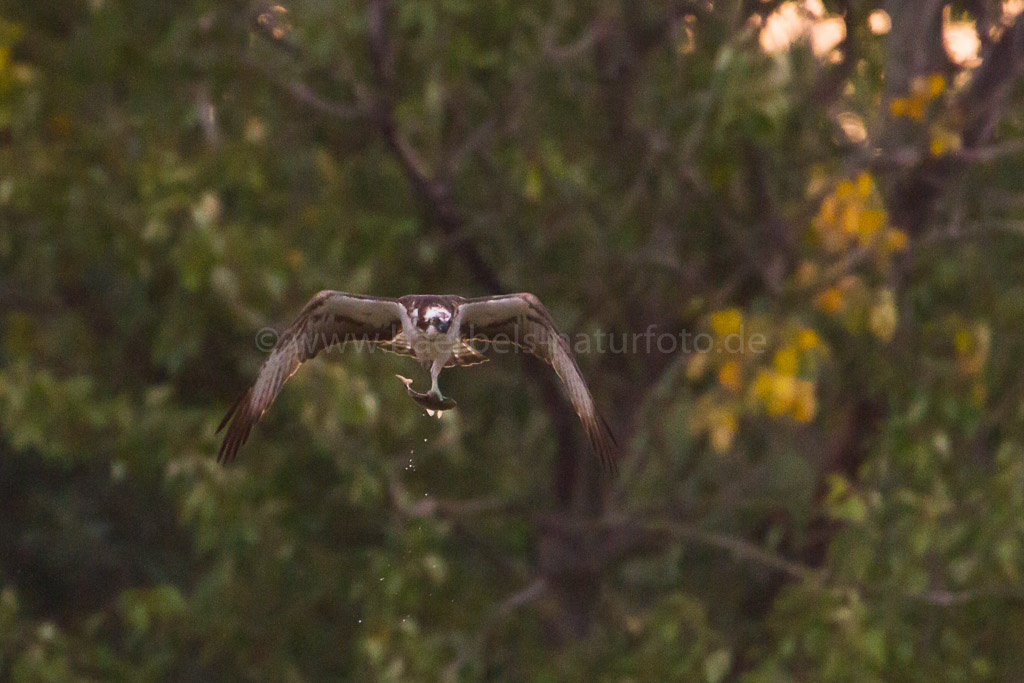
(985, 101)
(982, 107)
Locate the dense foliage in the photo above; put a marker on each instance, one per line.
(820, 206)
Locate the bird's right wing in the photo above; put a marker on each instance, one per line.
(329, 319)
(523, 321)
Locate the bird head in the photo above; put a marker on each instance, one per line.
(439, 322)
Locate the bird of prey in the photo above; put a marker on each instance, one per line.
(437, 330)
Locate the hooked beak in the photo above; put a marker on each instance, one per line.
(442, 326)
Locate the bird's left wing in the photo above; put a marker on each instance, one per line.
(523, 321)
(329, 319)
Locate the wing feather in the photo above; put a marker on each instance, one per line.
(522, 320)
(464, 355)
(329, 319)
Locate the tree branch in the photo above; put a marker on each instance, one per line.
(521, 598)
(305, 96)
(984, 103)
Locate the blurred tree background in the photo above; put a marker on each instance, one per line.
(844, 179)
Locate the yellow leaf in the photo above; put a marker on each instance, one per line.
(730, 376)
(830, 300)
(895, 240)
(936, 85)
(805, 404)
(761, 389)
(723, 431)
(973, 348)
(727, 321)
(915, 107)
(782, 394)
(786, 361)
(963, 341)
(845, 189)
(850, 220)
(827, 211)
(943, 140)
(865, 185)
(776, 391)
(870, 222)
(807, 339)
(883, 316)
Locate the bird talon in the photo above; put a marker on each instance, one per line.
(434, 402)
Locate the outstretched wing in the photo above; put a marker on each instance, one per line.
(330, 318)
(522, 320)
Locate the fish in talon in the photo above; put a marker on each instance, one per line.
(432, 400)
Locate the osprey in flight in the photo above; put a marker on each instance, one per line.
(437, 331)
